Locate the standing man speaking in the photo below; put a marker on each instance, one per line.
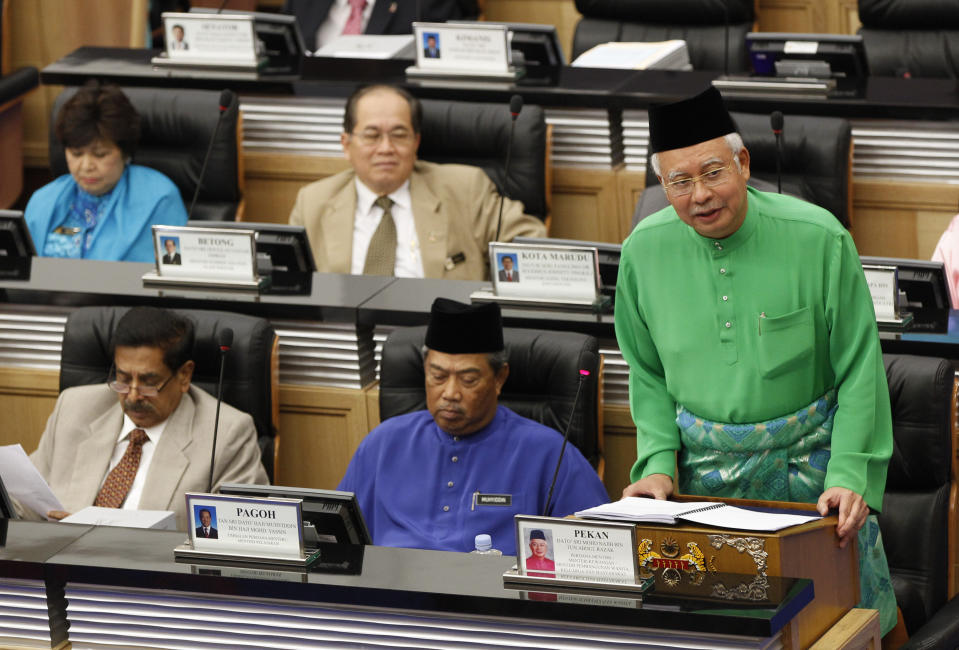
(752, 343)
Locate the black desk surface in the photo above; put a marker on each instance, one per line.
(363, 300)
(391, 578)
(331, 297)
(890, 98)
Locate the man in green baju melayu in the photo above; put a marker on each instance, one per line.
(752, 342)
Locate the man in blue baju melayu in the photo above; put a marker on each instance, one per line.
(436, 478)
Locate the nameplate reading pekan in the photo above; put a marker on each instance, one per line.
(576, 553)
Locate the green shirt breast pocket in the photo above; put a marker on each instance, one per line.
(785, 342)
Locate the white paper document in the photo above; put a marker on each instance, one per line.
(663, 55)
(707, 513)
(97, 516)
(24, 483)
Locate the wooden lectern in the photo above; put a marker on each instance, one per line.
(688, 553)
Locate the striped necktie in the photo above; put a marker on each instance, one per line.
(120, 478)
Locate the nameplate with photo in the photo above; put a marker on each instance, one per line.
(573, 552)
(476, 50)
(208, 257)
(883, 284)
(245, 529)
(543, 275)
(210, 40)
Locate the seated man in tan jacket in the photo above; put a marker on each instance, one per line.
(143, 439)
(442, 216)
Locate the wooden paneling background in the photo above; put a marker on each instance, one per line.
(42, 31)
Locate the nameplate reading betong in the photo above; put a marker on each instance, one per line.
(538, 275)
(883, 284)
(204, 257)
(576, 553)
(210, 40)
(475, 51)
(245, 529)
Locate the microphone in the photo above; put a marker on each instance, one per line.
(776, 121)
(226, 100)
(726, 38)
(583, 374)
(515, 106)
(222, 5)
(224, 342)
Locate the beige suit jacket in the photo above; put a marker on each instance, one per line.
(76, 447)
(455, 208)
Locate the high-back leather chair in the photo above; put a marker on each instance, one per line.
(918, 519)
(816, 166)
(14, 86)
(915, 38)
(477, 134)
(543, 379)
(251, 379)
(175, 130)
(701, 23)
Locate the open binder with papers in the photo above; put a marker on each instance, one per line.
(706, 513)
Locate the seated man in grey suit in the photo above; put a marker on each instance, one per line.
(394, 215)
(144, 438)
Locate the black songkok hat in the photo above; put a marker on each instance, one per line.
(457, 328)
(536, 534)
(689, 121)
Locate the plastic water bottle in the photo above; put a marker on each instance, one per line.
(484, 545)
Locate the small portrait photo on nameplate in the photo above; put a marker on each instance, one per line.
(210, 39)
(534, 271)
(246, 525)
(205, 253)
(475, 49)
(576, 550)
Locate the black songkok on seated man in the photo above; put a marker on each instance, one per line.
(689, 121)
(458, 328)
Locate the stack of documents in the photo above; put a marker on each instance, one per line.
(706, 513)
(370, 46)
(663, 55)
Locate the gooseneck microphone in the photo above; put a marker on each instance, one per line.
(224, 342)
(226, 100)
(726, 38)
(776, 121)
(515, 106)
(583, 374)
(222, 5)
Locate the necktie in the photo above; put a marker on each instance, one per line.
(120, 478)
(354, 24)
(381, 255)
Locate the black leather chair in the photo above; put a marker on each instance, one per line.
(915, 38)
(817, 163)
(477, 134)
(701, 23)
(544, 373)
(14, 86)
(918, 519)
(175, 131)
(250, 379)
